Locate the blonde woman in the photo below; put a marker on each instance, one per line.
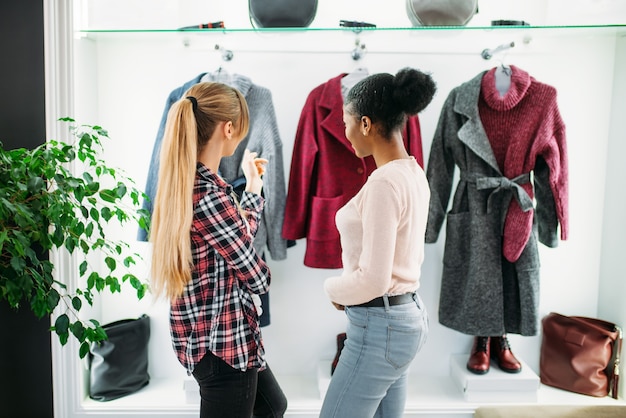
(203, 259)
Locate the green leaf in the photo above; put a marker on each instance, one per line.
(58, 237)
(35, 185)
(108, 195)
(83, 350)
(18, 264)
(91, 280)
(140, 287)
(113, 283)
(120, 190)
(88, 297)
(73, 183)
(87, 177)
(128, 261)
(92, 188)
(78, 330)
(38, 304)
(89, 230)
(111, 263)
(95, 215)
(100, 284)
(106, 213)
(141, 292)
(4, 235)
(83, 268)
(85, 140)
(70, 244)
(77, 303)
(53, 299)
(79, 193)
(61, 324)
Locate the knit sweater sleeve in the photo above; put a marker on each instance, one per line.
(556, 158)
(545, 211)
(274, 180)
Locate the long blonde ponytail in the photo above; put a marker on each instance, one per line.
(190, 124)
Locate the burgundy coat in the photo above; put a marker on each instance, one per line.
(325, 173)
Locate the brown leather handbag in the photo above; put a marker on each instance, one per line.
(580, 354)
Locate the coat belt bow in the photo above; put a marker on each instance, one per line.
(500, 184)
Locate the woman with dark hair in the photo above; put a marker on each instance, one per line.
(382, 238)
(203, 259)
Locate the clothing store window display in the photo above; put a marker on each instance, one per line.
(382, 238)
(504, 132)
(203, 257)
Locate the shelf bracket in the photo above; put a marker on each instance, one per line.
(489, 53)
(227, 54)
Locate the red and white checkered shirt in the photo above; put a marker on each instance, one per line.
(216, 312)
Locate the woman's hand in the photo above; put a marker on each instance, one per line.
(338, 306)
(253, 169)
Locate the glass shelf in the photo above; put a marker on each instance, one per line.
(614, 29)
(423, 39)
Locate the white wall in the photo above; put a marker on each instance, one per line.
(123, 80)
(611, 304)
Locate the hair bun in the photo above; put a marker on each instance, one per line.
(413, 90)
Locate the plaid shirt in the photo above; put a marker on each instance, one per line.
(216, 312)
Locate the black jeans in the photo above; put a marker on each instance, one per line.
(230, 393)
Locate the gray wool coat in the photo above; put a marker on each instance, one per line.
(262, 138)
(482, 293)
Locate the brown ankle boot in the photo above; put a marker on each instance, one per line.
(478, 362)
(501, 352)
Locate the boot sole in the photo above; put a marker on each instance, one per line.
(480, 372)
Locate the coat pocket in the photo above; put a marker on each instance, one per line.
(322, 223)
(471, 238)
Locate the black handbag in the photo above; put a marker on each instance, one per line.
(118, 366)
(282, 13)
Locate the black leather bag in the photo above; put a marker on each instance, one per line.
(282, 13)
(119, 365)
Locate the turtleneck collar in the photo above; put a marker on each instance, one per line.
(520, 82)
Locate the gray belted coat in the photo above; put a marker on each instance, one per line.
(482, 292)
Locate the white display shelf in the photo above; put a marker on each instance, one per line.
(427, 396)
(517, 387)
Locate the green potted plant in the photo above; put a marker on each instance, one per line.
(60, 197)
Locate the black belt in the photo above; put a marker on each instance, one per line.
(379, 302)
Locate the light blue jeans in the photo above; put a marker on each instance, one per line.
(371, 375)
